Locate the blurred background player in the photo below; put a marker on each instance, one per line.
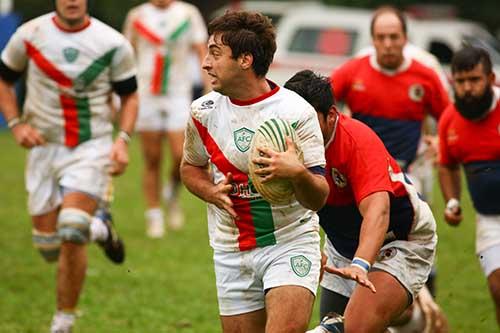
(266, 257)
(73, 63)
(164, 33)
(469, 135)
(373, 218)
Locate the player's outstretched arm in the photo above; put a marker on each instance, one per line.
(197, 181)
(450, 183)
(375, 211)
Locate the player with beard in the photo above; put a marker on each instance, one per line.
(73, 63)
(469, 135)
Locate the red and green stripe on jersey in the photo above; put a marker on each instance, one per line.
(255, 223)
(76, 110)
(162, 60)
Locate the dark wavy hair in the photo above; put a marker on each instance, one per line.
(315, 89)
(247, 33)
(469, 57)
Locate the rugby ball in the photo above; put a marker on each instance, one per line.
(272, 134)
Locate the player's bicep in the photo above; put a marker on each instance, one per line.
(311, 139)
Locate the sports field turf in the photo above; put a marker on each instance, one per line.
(168, 285)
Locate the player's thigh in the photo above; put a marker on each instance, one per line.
(251, 322)
(46, 222)
(494, 286)
(81, 201)
(288, 309)
(389, 302)
(152, 146)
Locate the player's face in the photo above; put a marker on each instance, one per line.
(223, 71)
(72, 12)
(472, 84)
(327, 123)
(388, 40)
(161, 3)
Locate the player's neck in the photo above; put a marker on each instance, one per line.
(252, 89)
(72, 25)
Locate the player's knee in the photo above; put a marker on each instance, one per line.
(73, 225)
(48, 244)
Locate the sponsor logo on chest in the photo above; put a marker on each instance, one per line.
(243, 138)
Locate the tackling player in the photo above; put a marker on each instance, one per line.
(469, 135)
(164, 33)
(73, 62)
(266, 257)
(381, 235)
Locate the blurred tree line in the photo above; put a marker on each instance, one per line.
(113, 11)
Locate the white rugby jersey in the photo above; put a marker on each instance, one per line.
(219, 133)
(162, 39)
(69, 76)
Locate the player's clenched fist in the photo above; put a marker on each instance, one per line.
(26, 136)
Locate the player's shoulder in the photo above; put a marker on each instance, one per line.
(30, 27)
(140, 10)
(186, 6)
(292, 103)
(356, 131)
(206, 104)
(423, 69)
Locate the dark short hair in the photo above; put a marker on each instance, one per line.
(469, 57)
(389, 9)
(247, 33)
(315, 89)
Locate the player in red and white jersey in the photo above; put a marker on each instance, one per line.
(380, 234)
(267, 257)
(389, 92)
(73, 63)
(164, 34)
(469, 135)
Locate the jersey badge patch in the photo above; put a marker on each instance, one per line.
(243, 138)
(207, 105)
(416, 92)
(70, 54)
(339, 179)
(300, 265)
(358, 85)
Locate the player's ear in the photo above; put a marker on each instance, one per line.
(246, 60)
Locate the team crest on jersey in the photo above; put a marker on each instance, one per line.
(339, 179)
(416, 92)
(243, 138)
(358, 85)
(70, 54)
(300, 265)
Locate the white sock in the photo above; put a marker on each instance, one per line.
(98, 230)
(154, 214)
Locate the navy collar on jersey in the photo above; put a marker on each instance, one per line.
(274, 89)
(403, 67)
(60, 27)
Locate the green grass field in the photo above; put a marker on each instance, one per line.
(168, 285)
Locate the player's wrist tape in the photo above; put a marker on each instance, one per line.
(452, 204)
(124, 136)
(361, 263)
(13, 122)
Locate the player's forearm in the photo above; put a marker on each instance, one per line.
(375, 210)
(197, 180)
(128, 113)
(311, 190)
(450, 182)
(8, 102)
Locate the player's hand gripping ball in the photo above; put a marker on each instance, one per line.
(272, 134)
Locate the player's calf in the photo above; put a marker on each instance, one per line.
(47, 243)
(73, 225)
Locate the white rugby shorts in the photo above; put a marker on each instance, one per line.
(488, 242)
(242, 278)
(52, 167)
(410, 262)
(163, 113)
